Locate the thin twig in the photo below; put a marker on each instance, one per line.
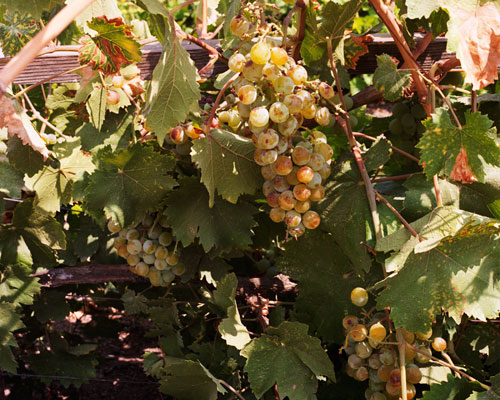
(370, 193)
(231, 389)
(218, 99)
(181, 6)
(203, 45)
(301, 27)
(399, 216)
(364, 136)
(395, 178)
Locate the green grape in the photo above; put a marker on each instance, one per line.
(167, 277)
(309, 112)
(269, 156)
(354, 361)
(349, 102)
(288, 127)
(161, 264)
(278, 112)
(260, 53)
(179, 269)
(423, 358)
(358, 333)
(353, 120)
(325, 150)
(161, 252)
(155, 232)
(165, 238)
(363, 349)
(244, 110)
(374, 362)
(133, 234)
(317, 193)
(325, 172)
(293, 102)
(113, 227)
(149, 247)
(399, 109)
(418, 111)
(142, 269)
(147, 221)
(271, 72)
(395, 127)
(413, 373)
(149, 258)
(386, 356)
(408, 123)
(282, 146)
(378, 396)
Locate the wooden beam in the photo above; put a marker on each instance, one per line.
(50, 64)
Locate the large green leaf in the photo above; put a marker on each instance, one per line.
(17, 286)
(187, 380)
(17, 30)
(96, 106)
(289, 357)
(492, 394)
(111, 48)
(457, 275)
(97, 8)
(173, 89)
(443, 142)
(231, 328)
(224, 226)
(23, 157)
(11, 181)
(10, 321)
(53, 186)
(129, 182)
(227, 166)
(324, 283)
(453, 389)
(388, 80)
(33, 7)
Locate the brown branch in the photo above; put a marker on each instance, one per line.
(364, 136)
(399, 216)
(394, 28)
(217, 102)
(394, 178)
(369, 94)
(301, 27)
(204, 45)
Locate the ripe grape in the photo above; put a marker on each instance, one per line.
(133, 259)
(118, 242)
(155, 232)
(292, 218)
(161, 264)
(272, 199)
(305, 174)
(133, 234)
(165, 238)
(374, 362)
(179, 269)
(411, 392)
(325, 90)
(311, 219)
(354, 361)
(279, 56)
(113, 227)
(317, 193)
(286, 200)
(359, 296)
(260, 53)
(168, 276)
(309, 112)
(317, 162)
(112, 97)
(280, 183)
(192, 132)
(439, 344)
(301, 156)
(378, 331)
(149, 247)
(395, 377)
(424, 336)
(268, 172)
(291, 178)
(377, 396)
(413, 373)
(363, 350)
(142, 269)
(278, 112)
(161, 252)
(423, 358)
(259, 116)
(294, 103)
(283, 85)
(296, 232)
(149, 258)
(384, 372)
(122, 251)
(298, 74)
(325, 172)
(178, 136)
(117, 81)
(244, 110)
(307, 99)
(302, 206)
(269, 156)
(358, 333)
(239, 25)
(134, 246)
(172, 258)
(386, 357)
(236, 62)
(361, 374)
(322, 116)
(252, 71)
(282, 145)
(271, 72)
(391, 389)
(247, 94)
(302, 193)
(283, 166)
(324, 149)
(277, 214)
(268, 140)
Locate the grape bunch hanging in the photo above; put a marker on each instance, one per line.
(274, 98)
(150, 249)
(371, 346)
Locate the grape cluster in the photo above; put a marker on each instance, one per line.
(373, 355)
(150, 249)
(407, 119)
(274, 97)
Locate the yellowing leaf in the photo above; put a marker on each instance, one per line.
(20, 126)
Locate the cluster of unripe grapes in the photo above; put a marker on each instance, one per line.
(407, 119)
(128, 81)
(273, 97)
(150, 249)
(371, 346)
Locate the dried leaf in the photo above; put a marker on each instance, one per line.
(20, 127)
(461, 170)
(479, 44)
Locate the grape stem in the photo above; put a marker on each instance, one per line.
(450, 366)
(402, 361)
(301, 27)
(231, 389)
(346, 125)
(395, 178)
(218, 100)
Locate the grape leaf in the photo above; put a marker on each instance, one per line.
(454, 389)
(23, 157)
(289, 357)
(86, 235)
(129, 182)
(111, 48)
(226, 163)
(173, 89)
(323, 282)
(187, 380)
(454, 276)
(51, 305)
(231, 328)
(17, 286)
(11, 181)
(16, 32)
(224, 226)
(53, 186)
(388, 80)
(492, 394)
(10, 321)
(19, 124)
(442, 142)
(33, 7)
(134, 303)
(96, 106)
(97, 8)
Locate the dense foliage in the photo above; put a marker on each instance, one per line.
(384, 210)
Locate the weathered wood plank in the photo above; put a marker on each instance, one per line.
(50, 64)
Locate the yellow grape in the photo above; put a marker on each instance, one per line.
(359, 296)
